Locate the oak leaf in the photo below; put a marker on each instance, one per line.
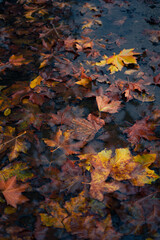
(107, 105)
(12, 192)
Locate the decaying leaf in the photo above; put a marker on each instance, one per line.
(19, 169)
(141, 129)
(86, 129)
(12, 192)
(107, 105)
(54, 216)
(64, 141)
(19, 146)
(123, 166)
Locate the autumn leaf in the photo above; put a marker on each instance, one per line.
(12, 192)
(157, 79)
(86, 129)
(123, 166)
(88, 24)
(18, 60)
(107, 105)
(125, 57)
(141, 129)
(71, 176)
(64, 142)
(84, 79)
(18, 169)
(36, 82)
(19, 146)
(54, 216)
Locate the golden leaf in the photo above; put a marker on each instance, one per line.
(36, 82)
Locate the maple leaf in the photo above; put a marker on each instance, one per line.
(123, 166)
(18, 147)
(71, 176)
(125, 57)
(63, 141)
(12, 192)
(21, 170)
(54, 216)
(86, 129)
(107, 105)
(141, 129)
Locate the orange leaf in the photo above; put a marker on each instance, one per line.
(18, 60)
(12, 192)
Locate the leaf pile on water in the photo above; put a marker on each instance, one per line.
(79, 126)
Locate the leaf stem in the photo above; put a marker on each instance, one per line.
(1, 145)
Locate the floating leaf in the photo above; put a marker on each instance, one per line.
(36, 82)
(12, 192)
(107, 105)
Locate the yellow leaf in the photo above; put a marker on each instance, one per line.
(36, 82)
(43, 64)
(9, 210)
(125, 57)
(84, 81)
(19, 146)
(55, 215)
(88, 24)
(7, 112)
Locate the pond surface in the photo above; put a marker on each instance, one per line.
(79, 135)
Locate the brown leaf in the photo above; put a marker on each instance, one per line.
(157, 79)
(107, 105)
(64, 142)
(12, 192)
(141, 129)
(86, 129)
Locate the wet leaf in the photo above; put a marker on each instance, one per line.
(141, 129)
(125, 57)
(107, 105)
(12, 192)
(37, 81)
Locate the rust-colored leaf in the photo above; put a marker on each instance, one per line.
(12, 192)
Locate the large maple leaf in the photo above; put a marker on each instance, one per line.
(64, 142)
(123, 166)
(12, 192)
(105, 104)
(125, 57)
(141, 129)
(86, 129)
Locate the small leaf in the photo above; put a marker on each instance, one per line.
(36, 82)
(7, 112)
(107, 105)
